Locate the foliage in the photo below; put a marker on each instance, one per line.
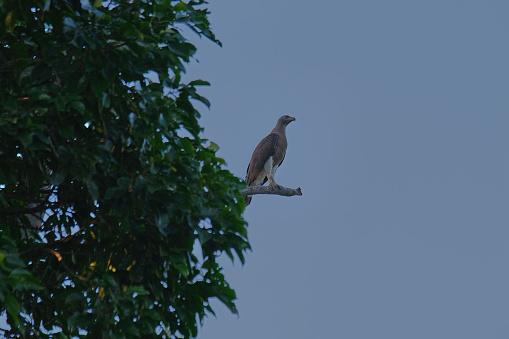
(112, 209)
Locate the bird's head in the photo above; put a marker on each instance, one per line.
(285, 120)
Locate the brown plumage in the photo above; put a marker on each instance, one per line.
(268, 156)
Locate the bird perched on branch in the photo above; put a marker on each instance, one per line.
(268, 156)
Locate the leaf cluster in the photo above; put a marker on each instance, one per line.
(113, 209)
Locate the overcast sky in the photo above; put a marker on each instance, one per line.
(401, 148)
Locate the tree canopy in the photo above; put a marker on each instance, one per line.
(113, 208)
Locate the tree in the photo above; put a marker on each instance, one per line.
(113, 209)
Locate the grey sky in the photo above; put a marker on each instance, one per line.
(401, 150)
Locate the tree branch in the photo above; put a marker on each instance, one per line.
(284, 191)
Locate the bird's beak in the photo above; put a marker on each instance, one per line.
(293, 119)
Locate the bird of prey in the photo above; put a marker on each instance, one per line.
(268, 156)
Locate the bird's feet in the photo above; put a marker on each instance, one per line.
(274, 185)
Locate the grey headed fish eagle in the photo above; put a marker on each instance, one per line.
(268, 156)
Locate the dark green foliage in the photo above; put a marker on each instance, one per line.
(112, 209)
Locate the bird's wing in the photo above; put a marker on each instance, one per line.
(281, 160)
(261, 154)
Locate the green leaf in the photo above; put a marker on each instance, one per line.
(69, 22)
(162, 221)
(25, 75)
(199, 83)
(213, 147)
(66, 131)
(19, 272)
(182, 269)
(132, 118)
(25, 138)
(12, 307)
(180, 7)
(58, 177)
(46, 5)
(140, 290)
(105, 100)
(111, 192)
(204, 236)
(187, 145)
(98, 87)
(43, 97)
(183, 49)
(74, 298)
(25, 280)
(93, 190)
(12, 104)
(79, 106)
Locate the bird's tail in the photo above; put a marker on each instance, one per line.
(247, 199)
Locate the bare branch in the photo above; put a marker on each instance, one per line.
(279, 190)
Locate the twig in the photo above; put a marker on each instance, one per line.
(71, 272)
(284, 191)
(47, 246)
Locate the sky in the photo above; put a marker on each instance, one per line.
(400, 146)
